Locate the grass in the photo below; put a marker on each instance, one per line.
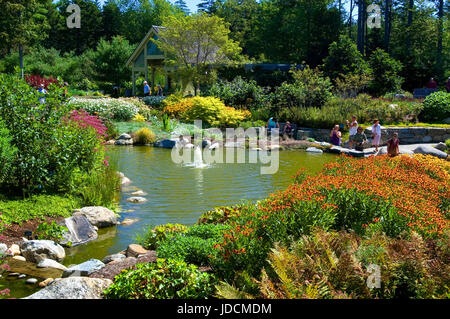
(37, 206)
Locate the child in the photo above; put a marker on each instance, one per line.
(376, 131)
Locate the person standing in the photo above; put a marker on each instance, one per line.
(431, 84)
(272, 124)
(43, 91)
(376, 131)
(335, 136)
(393, 145)
(146, 89)
(352, 129)
(160, 90)
(287, 131)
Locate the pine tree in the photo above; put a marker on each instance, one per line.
(181, 4)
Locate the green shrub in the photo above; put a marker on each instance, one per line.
(195, 246)
(144, 136)
(191, 249)
(165, 279)
(51, 231)
(99, 187)
(152, 237)
(220, 214)
(7, 154)
(156, 102)
(436, 107)
(240, 93)
(309, 88)
(50, 147)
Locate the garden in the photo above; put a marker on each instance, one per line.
(91, 196)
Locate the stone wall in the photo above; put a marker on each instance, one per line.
(407, 135)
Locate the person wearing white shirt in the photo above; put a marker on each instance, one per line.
(376, 131)
(352, 129)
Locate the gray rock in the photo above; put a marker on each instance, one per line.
(21, 276)
(124, 136)
(73, 288)
(427, 139)
(84, 269)
(113, 257)
(50, 263)
(99, 216)
(167, 143)
(314, 150)
(136, 199)
(31, 281)
(441, 146)
(139, 193)
(124, 142)
(38, 250)
(80, 231)
(3, 249)
(428, 150)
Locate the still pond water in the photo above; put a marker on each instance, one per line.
(179, 193)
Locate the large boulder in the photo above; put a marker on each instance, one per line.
(38, 250)
(50, 263)
(441, 146)
(84, 269)
(113, 257)
(99, 216)
(428, 150)
(80, 231)
(134, 250)
(73, 288)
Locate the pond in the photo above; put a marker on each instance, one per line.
(179, 193)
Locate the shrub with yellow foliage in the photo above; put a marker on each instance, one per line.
(212, 111)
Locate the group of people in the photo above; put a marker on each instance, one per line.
(288, 130)
(147, 90)
(358, 139)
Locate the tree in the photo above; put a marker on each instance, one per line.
(386, 72)
(22, 23)
(181, 4)
(110, 58)
(112, 19)
(206, 6)
(194, 42)
(344, 59)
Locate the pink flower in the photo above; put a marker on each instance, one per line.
(5, 292)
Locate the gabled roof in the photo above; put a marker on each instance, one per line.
(153, 30)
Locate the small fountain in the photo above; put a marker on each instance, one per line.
(198, 158)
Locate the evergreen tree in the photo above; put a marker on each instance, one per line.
(181, 4)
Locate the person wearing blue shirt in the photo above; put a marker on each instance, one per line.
(146, 89)
(271, 124)
(42, 90)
